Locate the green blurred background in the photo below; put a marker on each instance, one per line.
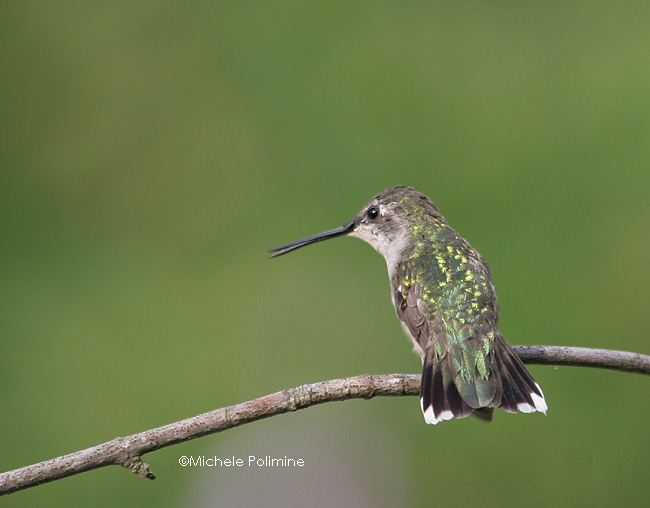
(151, 152)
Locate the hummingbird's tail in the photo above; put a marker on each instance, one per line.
(447, 391)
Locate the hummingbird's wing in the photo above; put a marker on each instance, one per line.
(412, 312)
(440, 398)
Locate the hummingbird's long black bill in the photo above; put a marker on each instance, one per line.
(283, 249)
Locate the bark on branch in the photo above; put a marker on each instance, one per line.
(126, 451)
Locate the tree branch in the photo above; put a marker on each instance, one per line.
(126, 451)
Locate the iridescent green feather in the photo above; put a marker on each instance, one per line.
(454, 285)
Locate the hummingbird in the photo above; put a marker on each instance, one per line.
(443, 294)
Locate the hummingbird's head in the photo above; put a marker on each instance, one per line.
(385, 222)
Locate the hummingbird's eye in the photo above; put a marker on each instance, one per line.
(373, 213)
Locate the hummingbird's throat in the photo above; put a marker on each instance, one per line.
(389, 244)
